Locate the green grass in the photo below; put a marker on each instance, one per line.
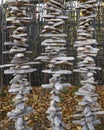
(75, 89)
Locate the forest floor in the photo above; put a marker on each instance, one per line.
(39, 100)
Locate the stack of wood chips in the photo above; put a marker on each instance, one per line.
(86, 53)
(20, 65)
(58, 64)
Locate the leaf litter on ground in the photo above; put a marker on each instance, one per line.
(39, 100)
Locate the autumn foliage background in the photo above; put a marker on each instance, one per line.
(39, 100)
